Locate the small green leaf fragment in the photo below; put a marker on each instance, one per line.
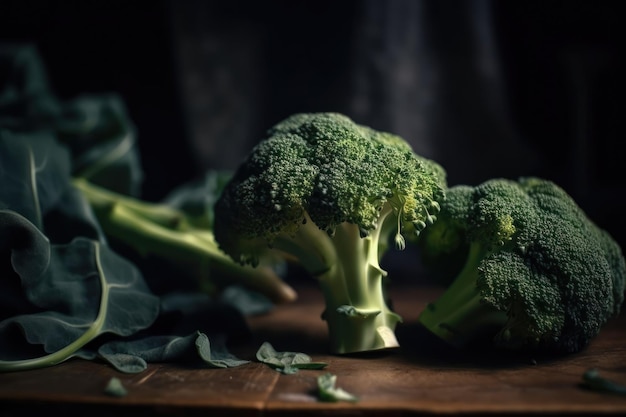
(329, 392)
(595, 382)
(286, 362)
(115, 388)
(216, 355)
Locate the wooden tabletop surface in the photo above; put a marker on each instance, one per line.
(420, 377)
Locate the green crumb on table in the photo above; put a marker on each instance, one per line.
(115, 388)
(593, 380)
(329, 392)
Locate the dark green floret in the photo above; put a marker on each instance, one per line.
(536, 274)
(330, 193)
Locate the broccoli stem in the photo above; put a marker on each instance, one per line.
(356, 312)
(351, 279)
(157, 229)
(460, 315)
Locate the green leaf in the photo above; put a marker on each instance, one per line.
(72, 216)
(132, 356)
(216, 354)
(103, 142)
(34, 173)
(61, 286)
(86, 290)
(29, 249)
(196, 199)
(329, 392)
(286, 362)
(35, 179)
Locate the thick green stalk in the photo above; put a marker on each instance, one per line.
(356, 312)
(163, 231)
(149, 229)
(459, 314)
(351, 279)
(103, 201)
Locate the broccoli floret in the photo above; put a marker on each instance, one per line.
(538, 273)
(321, 189)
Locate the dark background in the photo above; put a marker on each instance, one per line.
(487, 88)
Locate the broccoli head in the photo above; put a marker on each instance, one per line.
(328, 193)
(536, 272)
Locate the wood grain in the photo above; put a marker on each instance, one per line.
(421, 377)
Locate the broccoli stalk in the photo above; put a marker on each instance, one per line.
(347, 269)
(330, 194)
(356, 308)
(164, 231)
(460, 315)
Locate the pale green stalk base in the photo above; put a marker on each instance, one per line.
(351, 279)
(356, 312)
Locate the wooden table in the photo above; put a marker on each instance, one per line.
(421, 377)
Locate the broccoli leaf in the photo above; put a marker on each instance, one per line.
(286, 362)
(57, 297)
(86, 290)
(27, 248)
(61, 285)
(72, 216)
(197, 198)
(34, 173)
(133, 356)
(103, 142)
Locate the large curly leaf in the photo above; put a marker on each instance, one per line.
(84, 291)
(61, 285)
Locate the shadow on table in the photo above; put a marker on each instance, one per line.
(420, 346)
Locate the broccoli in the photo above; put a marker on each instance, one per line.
(325, 191)
(183, 239)
(536, 273)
